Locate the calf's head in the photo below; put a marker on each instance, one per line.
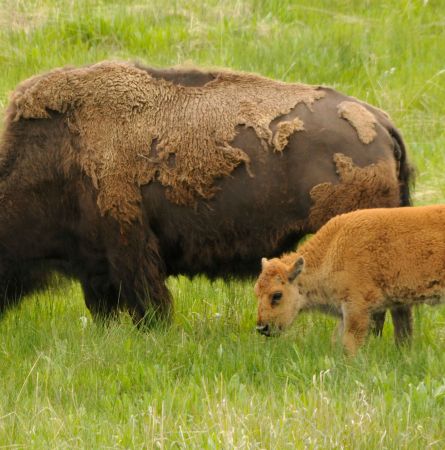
(279, 298)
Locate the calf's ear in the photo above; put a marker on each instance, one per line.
(296, 269)
(263, 263)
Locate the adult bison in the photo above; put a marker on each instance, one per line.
(122, 175)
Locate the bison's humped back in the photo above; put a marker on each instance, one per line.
(134, 128)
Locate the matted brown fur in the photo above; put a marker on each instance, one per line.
(358, 264)
(368, 187)
(135, 128)
(360, 118)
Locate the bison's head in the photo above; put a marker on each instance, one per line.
(279, 298)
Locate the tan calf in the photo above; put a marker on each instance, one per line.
(358, 264)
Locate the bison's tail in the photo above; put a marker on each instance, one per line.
(406, 171)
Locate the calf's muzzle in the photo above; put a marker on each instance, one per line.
(263, 329)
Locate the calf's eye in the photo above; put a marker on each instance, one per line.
(276, 297)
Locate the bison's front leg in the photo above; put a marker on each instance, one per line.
(138, 269)
(148, 299)
(152, 300)
(19, 282)
(101, 297)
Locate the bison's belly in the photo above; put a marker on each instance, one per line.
(226, 236)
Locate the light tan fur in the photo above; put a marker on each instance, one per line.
(360, 118)
(358, 264)
(284, 131)
(134, 128)
(371, 186)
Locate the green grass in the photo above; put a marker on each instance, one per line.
(208, 380)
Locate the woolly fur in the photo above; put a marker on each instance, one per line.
(360, 118)
(136, 128)
(368, 187)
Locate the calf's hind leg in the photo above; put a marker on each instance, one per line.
(401, 319)
(337, 333)
(403, 324)
(378, 320)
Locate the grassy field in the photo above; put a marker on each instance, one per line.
(208, 380)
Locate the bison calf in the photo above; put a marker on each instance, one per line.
(358, 264)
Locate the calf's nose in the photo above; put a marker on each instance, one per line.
(263, 329)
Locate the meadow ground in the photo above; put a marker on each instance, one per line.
(208, 380)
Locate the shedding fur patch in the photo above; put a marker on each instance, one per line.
(360, 118)
(121, 113)
(284, 131)
(373, 186)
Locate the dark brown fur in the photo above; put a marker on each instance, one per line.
(50, 217)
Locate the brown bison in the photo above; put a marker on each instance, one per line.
(121, 175)
(358, 264)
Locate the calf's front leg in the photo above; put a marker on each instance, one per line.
(337, 333)
(355, 327)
